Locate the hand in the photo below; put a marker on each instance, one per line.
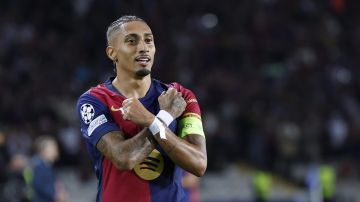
(133, 110)
(172, 102)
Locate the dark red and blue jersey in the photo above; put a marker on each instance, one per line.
(155, 179)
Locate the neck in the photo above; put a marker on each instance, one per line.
(132, 87)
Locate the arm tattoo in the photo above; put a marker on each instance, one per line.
(178, 103)
(114, 146)
(106, 143)
(101, 146)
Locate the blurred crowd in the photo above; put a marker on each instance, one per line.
(277, 80)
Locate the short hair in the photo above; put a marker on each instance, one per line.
(114, 26)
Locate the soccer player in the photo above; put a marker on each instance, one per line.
(140, 133)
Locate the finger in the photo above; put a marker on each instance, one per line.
(163, 94)
(125, 117)
(126, 114)
(122, 110)
(179, 97)
(171, 90)
(127, 102)
(180, 101)
(184, 103)
(178, 94)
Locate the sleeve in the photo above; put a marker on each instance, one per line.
(190, 121)
(95, 118)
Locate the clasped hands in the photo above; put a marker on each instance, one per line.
(171, 101)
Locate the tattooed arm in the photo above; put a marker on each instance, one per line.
(188, 152)
(125, 154)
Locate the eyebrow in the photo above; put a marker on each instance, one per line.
(136, 35)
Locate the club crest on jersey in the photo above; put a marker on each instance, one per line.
(152, 167)
(87, 112)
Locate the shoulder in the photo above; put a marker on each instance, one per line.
(87, 97)
(99, 93)
(187, 93)
(91, 103)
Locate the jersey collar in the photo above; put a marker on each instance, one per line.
(149, 95)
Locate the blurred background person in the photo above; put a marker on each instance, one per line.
(45, 185)
(4, 158)
(15, 188)
(191, 184)
(262, 186)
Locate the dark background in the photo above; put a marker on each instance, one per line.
(277, 80)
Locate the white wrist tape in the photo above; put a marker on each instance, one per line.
(165, 117)
(157, 127)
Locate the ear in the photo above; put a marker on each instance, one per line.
(110, 52)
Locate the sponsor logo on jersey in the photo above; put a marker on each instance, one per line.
(191, 100)
(115, 109)
(152, 167)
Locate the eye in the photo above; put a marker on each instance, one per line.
(148, 40)
(131, 41)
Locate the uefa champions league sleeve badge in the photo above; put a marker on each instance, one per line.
(87, 112)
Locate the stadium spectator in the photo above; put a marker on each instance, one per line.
(45, 185)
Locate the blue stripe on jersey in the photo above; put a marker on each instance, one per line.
(99, 131)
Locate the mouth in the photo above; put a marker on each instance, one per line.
(143, 60)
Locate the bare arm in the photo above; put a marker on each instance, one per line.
(125, 154)
(189, 154)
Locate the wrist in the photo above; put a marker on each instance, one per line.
(149, 120)
(157, 127)
(165, 117)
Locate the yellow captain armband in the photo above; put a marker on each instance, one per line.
(190, 123)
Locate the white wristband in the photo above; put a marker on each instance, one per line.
(165, 117)
(157, 127)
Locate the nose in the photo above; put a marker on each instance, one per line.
(142, 47)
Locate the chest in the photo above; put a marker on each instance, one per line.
(129, 128)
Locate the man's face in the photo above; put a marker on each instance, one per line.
(134, 48)
(51, 151)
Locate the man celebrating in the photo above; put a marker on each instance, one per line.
(140, 133)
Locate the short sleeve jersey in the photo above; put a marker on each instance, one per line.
(155, 179)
